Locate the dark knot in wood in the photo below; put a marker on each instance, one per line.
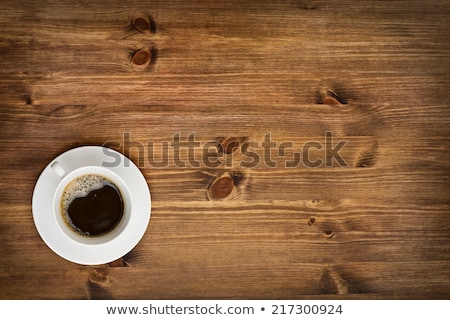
(329, 234)
(312, 221)
(141, 57)
(221, 188)
(141, 23)
(229, 145)
(328, 96)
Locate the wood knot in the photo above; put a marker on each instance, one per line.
(329, 234)
(331, 282)
(143, 23)
(227, 185)
(230, 144)
(221, 188)
(141, 57)
(312, 221)
(329, 97)
(367, 158)
(98, 275)
(28, 100)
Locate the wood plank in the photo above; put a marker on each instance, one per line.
(281, 232)
(303, 281)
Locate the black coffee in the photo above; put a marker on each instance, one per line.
(92, 205)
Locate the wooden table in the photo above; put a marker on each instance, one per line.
(245, 210)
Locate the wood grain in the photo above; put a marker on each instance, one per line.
(134, 75)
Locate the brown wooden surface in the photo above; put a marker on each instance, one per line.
(72, 75)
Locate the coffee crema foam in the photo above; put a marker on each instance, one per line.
(81, 187)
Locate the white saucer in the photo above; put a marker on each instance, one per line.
(101, 253)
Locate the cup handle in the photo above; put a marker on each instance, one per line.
(58, 169)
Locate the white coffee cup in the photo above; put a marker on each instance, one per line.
(66, 179)
(55, 230)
